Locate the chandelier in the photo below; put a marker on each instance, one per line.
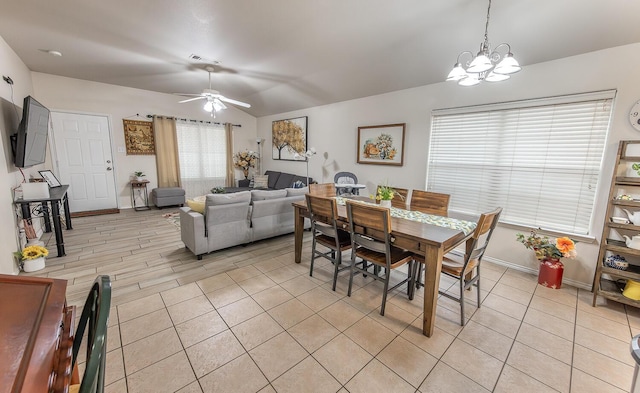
(487, 65)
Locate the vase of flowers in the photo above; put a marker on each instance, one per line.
(32, 258)
(549, 252)
(384, 195)
(245, 160)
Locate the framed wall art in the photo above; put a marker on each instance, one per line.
(50, 178)
(138, 137)
(289, 136)
(381, 145)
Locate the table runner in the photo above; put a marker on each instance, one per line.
(446, 222)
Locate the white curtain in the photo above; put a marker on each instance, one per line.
(202, 149)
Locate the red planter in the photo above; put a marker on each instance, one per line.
(550, 274)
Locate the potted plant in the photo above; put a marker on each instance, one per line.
(385, 195)
(549, 253)
(139, 175)
(32, 258)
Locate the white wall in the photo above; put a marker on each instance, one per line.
(10, 177)
(80, 96)
(333, 132)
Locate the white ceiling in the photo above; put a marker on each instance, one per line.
(283, 55)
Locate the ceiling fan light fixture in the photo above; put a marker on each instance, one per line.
(208, 106)
(218, 105)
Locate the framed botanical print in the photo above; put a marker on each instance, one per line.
(289, 136)
(138, 137)
(381, 145)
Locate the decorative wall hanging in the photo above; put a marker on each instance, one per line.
(289, 137)
(381, 145)
(138, 137)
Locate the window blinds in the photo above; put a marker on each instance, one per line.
(539, 159)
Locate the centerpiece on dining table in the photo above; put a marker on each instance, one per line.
(549, 252)
(384, 195)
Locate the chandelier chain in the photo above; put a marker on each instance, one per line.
(486, 30)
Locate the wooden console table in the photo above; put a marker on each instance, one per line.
(36, 335)
(57, 196)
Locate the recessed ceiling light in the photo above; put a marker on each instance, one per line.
(51, 52)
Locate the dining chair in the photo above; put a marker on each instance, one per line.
(429, 202)
(466, 268)
(370, 228)
(323, 212)
(324, 189)
(93, 320)
(346, 178)
(400, 199)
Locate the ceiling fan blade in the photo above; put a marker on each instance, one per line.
(191, 99)
(229, 100)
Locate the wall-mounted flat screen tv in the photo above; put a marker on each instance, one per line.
(29, 143)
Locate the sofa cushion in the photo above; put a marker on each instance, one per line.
(260, 195)
(284, 180)
(227, 199)
(261, 181)
(297, 191)
(273, 178)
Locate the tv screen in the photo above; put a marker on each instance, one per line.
(30, 142)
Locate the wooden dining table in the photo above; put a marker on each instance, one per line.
(431, 241)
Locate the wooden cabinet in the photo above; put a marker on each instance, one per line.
(608, 280)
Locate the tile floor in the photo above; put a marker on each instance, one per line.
(249, 319)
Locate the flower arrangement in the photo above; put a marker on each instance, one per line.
(545, 248)
(245, 160)
(31, 252)
(385, 193)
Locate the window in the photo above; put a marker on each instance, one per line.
(203, 156)
(538, 159)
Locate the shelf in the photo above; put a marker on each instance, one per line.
(633, 272)
(620, 247)
(622, 202)
(627, 181)
(628, 227)
(609, 289)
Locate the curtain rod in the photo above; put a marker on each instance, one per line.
(191, 120)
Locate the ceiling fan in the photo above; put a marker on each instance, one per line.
(215, 100)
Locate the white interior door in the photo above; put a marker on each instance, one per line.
(83, 155)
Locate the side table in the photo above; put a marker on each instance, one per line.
(141, 200)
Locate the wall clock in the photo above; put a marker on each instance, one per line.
(634, 116)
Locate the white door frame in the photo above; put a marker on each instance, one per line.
(54, 153)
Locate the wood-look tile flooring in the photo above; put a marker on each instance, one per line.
(248, 319)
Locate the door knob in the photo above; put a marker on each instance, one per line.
(108, 161)
(108, 168)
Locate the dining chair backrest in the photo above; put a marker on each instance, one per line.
(94, 320)
(400, 199)
(374, 226)
(429, 202)
(324, 189)
(481, 235)
(324, 210)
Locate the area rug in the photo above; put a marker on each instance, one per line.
(173, 217)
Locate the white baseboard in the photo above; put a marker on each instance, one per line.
(573, 283)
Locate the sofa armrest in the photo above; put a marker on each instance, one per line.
(192, 231)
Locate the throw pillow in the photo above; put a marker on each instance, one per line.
(252, 181)
(261, 181)
(196, 206)
(298, 184)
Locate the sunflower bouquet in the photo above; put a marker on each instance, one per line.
(31, 252)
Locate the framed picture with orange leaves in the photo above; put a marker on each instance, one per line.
(381, 145)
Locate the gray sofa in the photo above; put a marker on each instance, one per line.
(239, 218)
(277, 181)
